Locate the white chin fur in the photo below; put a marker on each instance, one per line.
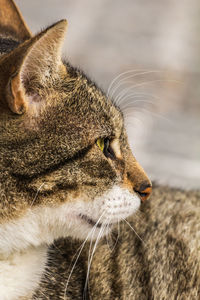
(45, 224)
(115, 205)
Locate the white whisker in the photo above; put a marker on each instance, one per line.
(133, 87)
(91, 257)
(131, 104)
(81, 248)
(119, 83)
(123, 93)
(37, 194)
(107, 235)
(134, 231)
(127, 114)
(118, 233)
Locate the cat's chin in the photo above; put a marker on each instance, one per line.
(98, 217)
(101, 214)
(93, 223)
(92, 229)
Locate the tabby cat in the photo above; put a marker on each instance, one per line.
(67, 177)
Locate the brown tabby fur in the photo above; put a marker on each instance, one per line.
(164, 263)
(73, 109)
(51, 115)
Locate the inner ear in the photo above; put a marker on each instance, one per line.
(19, 100)
(16, 101)
(40, 66)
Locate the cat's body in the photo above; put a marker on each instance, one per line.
(67, 172)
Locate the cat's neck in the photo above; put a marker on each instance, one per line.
(20, 273)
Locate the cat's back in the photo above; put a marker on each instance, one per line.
(156, 256)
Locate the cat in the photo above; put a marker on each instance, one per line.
(67, 177)
(65, 162)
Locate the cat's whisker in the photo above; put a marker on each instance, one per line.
(131, 113)
(135, 102)
(122, 94)
(110, 240)
(134, 231)
(37, 194)
(90, 248)
(134, 95)
(54, 245)
(79, 253)
(117, 239)
(116, 78)
(128, 88)
(126, 91)
(112, 89)
(141, 84)
(140, 98)
(72, 269)
(91, 257)
(128, 114)
(118, 229)
(107, 235)
(93, 231)
(138, 215)
(86, 287)
(131, 104)
(121, 75)
(43, 294)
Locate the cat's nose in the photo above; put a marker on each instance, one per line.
(144, 190)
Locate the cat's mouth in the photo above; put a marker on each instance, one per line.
(94, 223)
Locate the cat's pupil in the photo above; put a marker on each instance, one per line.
(106, 144)
(108, 151)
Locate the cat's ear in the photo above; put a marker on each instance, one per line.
(12, 22)
(38, 62)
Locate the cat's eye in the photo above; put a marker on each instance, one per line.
(104, 145)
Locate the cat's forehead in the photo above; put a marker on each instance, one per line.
(91, 103)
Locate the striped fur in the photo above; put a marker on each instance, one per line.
(56, 183)
(164, 263)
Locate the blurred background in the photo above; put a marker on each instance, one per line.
(146, 54)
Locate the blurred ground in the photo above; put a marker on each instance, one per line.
(158, 44)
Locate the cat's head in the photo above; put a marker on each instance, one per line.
(65, 160)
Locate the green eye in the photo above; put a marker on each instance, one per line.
(104, 145)
(101, 144)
